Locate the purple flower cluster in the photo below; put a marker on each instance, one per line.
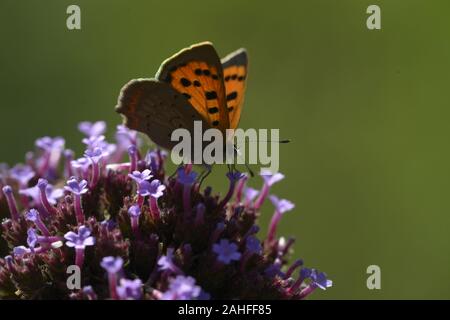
(135, 232)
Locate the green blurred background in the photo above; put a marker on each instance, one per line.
(368, 113)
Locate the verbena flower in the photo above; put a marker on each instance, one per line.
(137, 231)
(226, 251)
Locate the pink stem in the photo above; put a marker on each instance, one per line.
(154, 208)
(7, 190)
(263, 195)
(112, 279)
(78, 209)
(240, 188)
(44, 201)
(140, 201)
(273, 226)
(79, 257)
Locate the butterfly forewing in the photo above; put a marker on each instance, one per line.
(156, 109)
(235, 69)
(197, 74)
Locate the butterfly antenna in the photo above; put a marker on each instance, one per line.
(250, 171)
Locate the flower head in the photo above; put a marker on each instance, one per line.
(154, 189)
(94, 155)
(134, 211)
(32, 215)
(112, 264)
(92, 129)
(182, 288)
(50, 144)
(141, 176)
(75, 187)
(186, 178)
(281, 205)
(226, 251)
(166, 262)
(81, 239)
(250, 194)
(253, 245)
(22, 174)
(271, 178)
(32, 238)
(129, 289)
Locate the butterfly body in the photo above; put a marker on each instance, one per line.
(193, 85)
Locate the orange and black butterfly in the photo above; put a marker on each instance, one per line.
(193, 85)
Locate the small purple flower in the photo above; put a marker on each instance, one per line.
(134, 212)
(155, 159)
(186, 178)
(81, 239)
(112, 264)
(250, 194)
(226, 251)
(141, 176)
(269, 180)
(32, 238)
(94, 155)
(253, 245)
(75, 187)
(22, 174)
(281, 206)
(92, 129)
(34, 216)
(156, 189)
(165, 263)
(126, 137)
(93, 142)
(50, 144)
(129, 289)
(320, 279)
(21, 250)
(89, 293)
(182, 288)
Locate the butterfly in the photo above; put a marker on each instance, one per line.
(192, 85)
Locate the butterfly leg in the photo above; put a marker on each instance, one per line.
(204, 174)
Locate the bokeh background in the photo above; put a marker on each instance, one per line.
(368, 113)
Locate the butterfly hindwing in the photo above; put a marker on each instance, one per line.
(235, 69)
(156, 109)
(196, 73)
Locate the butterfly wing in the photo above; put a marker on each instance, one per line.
(235, 69)
(156, 109)
(196, 72)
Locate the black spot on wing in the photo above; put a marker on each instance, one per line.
(232, 96)
(215, 123)
(210, 95)
(185, 82)
(213, 110)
